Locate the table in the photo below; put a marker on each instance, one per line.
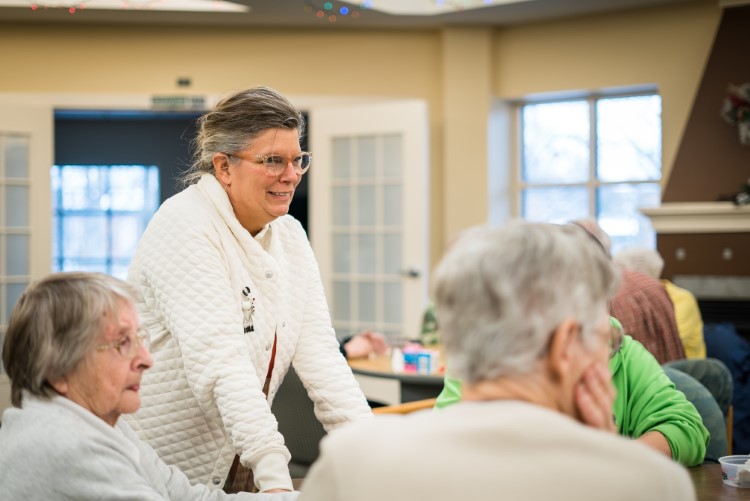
(709, 486)
(380, 384)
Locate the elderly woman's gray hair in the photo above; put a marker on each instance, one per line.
(235, 121)
(642, 259)
(501, 292)
(54, 324)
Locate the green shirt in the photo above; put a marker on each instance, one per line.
(646, 401)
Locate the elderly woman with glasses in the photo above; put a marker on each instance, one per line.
(232, 296)
(524, 324)
(75, 357)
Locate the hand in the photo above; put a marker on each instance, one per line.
(595, 397)
(364, 343)
(377, 340)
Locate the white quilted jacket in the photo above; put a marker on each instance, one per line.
(212, 300)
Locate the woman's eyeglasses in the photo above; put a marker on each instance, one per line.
(276, 164)
(128, 345)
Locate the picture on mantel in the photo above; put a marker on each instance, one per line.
(736, 110)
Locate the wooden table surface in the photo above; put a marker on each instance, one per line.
(710, 487)
(381, 365)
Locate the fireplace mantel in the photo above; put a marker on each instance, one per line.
(699, 217)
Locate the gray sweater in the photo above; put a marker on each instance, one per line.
(56, 449)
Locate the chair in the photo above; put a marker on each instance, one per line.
(717, 378)
(302, 431)
(406, 407)
(705, 403)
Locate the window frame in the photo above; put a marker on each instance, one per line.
(59, 213)
(592, 184)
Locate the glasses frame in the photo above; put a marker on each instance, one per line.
(137, 340)
(271, 170)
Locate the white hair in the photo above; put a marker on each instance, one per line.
(501, 292)
(642, 259)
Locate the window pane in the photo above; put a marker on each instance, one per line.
(366, 254)
(392, 205)
(392, 254)
(555, 205)
(126, 232)
(341, 158)
(17, 260)
(629, 138)
(17, 206)
(342, 258)
(341, 301)
(341, 206)
(85, 264)
(366, 302)
(366, 157)
(619, 216)
(84, 188)
(85, 237)
(392, 156)
(556, 142)
(128, 188)
(16, 157)
(366, 205)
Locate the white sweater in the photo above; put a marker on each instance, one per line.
(56, 449)
(213, 297)
(486, 451)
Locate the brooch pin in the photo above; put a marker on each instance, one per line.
(248, 310)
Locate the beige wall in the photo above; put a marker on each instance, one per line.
(457, 71)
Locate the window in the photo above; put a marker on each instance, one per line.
(99, 214)
(596, 157)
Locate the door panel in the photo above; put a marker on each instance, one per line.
(369, 223)
(25, 161)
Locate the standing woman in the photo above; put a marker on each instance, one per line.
(232, 296)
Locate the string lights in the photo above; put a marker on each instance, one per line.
(327, 12)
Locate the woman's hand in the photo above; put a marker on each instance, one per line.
(595, 397)
(364, 343)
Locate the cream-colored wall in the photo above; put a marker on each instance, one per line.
(457, 71)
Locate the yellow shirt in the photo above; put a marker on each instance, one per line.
(689, 321)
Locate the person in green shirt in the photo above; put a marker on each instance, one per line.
(647, 406)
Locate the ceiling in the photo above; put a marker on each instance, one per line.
(373, 14)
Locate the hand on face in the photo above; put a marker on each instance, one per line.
(595, 396)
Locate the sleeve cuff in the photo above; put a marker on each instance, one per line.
(271, 471)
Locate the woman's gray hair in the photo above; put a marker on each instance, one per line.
(55, 323)
(235, 122)
(501, 292)
(641, 259)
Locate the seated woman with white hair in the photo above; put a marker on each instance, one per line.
(686, 310)
(75, 356)
(525, 325)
